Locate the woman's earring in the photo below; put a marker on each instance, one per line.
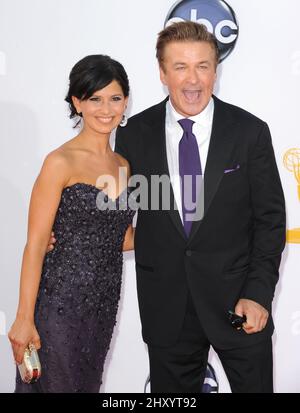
(123, 121)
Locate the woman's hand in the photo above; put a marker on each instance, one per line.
(128, 243)
(22, 333)
(51, 242)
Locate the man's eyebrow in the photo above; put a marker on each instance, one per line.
(200, 62)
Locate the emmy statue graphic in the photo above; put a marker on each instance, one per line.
(291, 161)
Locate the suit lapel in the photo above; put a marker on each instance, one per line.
(156, 130)
(221, 145)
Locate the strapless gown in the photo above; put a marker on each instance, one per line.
(79, 292)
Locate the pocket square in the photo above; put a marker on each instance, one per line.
(236, 168)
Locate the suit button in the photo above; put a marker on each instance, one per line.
(188, 253)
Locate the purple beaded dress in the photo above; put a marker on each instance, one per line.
(79, 292)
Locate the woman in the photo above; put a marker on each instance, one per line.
(69, 298)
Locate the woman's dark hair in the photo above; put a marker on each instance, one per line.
(93, 73)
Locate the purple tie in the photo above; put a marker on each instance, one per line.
(189, 166)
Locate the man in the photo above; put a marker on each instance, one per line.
(190, 274)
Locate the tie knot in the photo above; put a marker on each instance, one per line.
(186, 124)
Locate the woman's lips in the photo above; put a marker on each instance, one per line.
(104, 119)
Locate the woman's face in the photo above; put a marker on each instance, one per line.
(103, 111)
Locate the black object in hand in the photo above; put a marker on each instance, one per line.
(236, 320)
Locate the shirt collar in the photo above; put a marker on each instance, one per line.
(203, 118)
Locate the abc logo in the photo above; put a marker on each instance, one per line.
(216, 15)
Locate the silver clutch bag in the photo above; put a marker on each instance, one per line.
(30, 369)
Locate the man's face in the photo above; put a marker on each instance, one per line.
(189, 72)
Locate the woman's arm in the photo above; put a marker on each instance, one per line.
(44, 202)
(128, 243)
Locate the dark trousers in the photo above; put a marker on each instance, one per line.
(181, 368)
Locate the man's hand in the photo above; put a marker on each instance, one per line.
(257, 315)
(51, 242)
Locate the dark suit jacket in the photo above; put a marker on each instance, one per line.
(233, 252)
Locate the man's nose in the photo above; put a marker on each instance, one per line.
(193, 76)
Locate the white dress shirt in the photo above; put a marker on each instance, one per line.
(201, 129)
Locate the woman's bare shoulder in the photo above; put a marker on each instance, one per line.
(57, 165)
(58, 158)
(122, 160)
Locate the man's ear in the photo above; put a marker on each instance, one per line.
(77, 104)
